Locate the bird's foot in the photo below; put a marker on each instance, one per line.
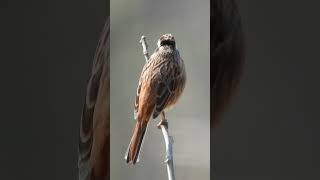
(163, 122)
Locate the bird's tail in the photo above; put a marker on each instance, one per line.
(135, 146)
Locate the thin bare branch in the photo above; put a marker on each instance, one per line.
(144, 48)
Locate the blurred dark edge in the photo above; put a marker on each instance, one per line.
(94, 132)
(226, 53)
(226, 58)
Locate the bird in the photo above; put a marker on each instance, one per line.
(94, 131)
(161, 84)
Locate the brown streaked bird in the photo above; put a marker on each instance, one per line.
(94, 133)
(160, 85)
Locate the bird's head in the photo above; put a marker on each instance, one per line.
(166, 40)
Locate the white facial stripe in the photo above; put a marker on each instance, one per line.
(158, 43)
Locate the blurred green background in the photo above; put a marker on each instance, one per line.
(188, 21)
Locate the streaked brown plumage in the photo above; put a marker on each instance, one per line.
(160, 85)
(94, 135)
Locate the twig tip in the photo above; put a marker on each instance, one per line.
(142, 39)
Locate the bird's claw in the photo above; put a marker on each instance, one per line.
(163, 122)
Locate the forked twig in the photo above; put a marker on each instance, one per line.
(169, 153)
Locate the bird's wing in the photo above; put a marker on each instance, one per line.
(142, 79)
(168, 82)
(136, 103)
(93, 160)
